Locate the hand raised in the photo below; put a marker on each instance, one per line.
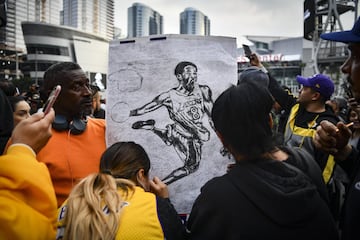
(159, 188)
(34, 131)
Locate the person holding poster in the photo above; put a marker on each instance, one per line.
(186, 104)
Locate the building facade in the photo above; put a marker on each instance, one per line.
(92, 16)
(27, 10)
(194, 22)
(285, 58)
(12, 46)
(143, 21)
(48, 44)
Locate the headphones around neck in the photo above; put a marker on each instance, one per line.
(76, 126)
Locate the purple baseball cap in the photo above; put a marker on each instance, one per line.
(351, 36)
(320, 83)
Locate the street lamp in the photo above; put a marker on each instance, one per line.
(36, 67)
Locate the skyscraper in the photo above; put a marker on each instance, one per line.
(143, 21)
(12, 44)
(27, 10)
(93, 16)
(194, 22)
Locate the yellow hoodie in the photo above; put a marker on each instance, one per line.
(27, 198)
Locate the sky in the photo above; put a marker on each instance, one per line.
(232, 18)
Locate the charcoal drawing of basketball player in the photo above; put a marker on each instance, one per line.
(186, 104)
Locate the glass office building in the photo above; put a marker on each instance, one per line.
(194, 22)
(143, 21)
(12, 46)
(27, 10)
(92, 16)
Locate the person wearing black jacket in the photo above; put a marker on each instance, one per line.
(305, 113)
(97, 111)
(6, 121)
(270, 192)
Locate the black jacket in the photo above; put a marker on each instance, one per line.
(302, 119)
(350, 223)
(6, 121)
(264, 199)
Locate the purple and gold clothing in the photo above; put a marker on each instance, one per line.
(143, 216)
(188, 111)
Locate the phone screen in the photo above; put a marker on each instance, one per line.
(247, 50)
(51, 99)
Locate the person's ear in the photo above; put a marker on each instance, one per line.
(316, 96)
(142, 179)
(179, 76)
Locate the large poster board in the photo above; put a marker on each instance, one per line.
(160, 92)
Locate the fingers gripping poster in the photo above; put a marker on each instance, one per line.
(160, 93)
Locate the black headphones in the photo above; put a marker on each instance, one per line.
(76, 126)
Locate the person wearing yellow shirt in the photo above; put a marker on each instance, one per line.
(121, 201)
(27, 198)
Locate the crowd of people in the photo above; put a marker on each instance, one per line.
(296, 173)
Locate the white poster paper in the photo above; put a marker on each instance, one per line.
(160, 92)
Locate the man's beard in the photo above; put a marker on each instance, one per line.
(85, 112)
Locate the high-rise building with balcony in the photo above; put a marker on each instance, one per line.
(143, 21)
(92, 16)
(47, 11)
(12, 46)
(194, 22)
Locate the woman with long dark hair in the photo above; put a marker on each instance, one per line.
(270, 192)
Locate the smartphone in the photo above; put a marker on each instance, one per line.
(247, 50)
(51, 99)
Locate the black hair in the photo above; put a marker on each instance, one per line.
(8, 87)
(94, 89)
(15, 100)
(56, 72)
(255, 75)
(124, 160)
(181, 65)
(241, 115)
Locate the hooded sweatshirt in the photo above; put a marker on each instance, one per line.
(261, 199)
